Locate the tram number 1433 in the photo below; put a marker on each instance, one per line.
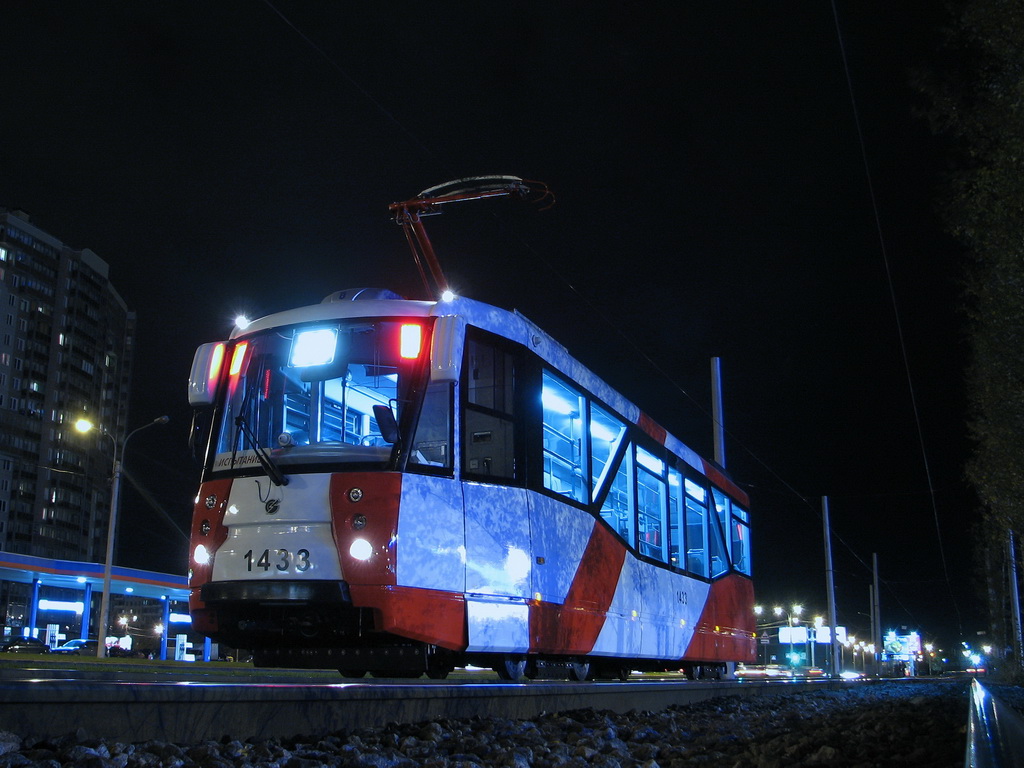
(281, 559)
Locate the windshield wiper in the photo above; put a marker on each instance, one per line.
(242, 428)
(272, 470)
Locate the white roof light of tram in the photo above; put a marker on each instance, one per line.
(314, 347)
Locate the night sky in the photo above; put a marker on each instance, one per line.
(713, 200)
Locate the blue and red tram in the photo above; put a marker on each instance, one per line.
(403, 486)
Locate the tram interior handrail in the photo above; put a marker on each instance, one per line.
(995, 732)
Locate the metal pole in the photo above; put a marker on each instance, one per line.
(83, 633)
(1018, 645)
(716, 410)
(876, 617)
(115, 493)
(115, 498)
(830, 586)
(871, 618)
(33, 609)
(166, 630)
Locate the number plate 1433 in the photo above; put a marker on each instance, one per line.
(279, 559)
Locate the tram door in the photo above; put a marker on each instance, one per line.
(498, 568)
(498, 552)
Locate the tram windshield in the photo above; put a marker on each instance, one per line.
(318, 394)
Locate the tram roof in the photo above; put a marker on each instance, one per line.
(73, 574)
(512, 325)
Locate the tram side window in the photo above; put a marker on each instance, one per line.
(565, 439)
(606, 435)
(675, 537)
(431, 445)
(716, 547)
(696, 528)
(722, 507)
(618, 506)
(488, 437)
(651, 504)
(740, 540)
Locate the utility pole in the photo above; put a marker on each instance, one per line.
(830, 586)
(1015, 604)
(716, 410)
(876, 617)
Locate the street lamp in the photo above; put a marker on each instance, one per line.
(84, 425)
(758, 612)
(791, 622)
(819, 622)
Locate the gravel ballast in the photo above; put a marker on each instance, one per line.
(875, 724)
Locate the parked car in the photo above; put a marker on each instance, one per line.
(78, 648)
(23, 645)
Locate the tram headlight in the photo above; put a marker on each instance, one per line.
(361, 549)
(201, 555)
(314, 347)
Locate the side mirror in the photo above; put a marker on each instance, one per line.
(206, 367)
(386, 423)
(446, 348)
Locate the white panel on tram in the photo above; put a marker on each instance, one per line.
(496, 624)
(673, 604)
(499, 555)
(278, 531)
(560, 536)
(431, 534)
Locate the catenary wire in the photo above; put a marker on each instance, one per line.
(883, 250)
(637, 349)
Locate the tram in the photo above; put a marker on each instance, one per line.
(403, 486)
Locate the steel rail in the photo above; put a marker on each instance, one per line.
(995, 732)
(50, 705)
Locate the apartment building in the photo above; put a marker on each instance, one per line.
(66, 340)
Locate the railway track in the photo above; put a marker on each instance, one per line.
(191, 703)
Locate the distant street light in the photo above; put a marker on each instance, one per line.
(84, 425)
(792, 619)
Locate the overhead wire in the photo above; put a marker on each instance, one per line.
(637, 349)
(883, 250)
(353, 82)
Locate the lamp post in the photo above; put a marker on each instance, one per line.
(84, 425)
(791, 622)
(758, 612)
(819, 622)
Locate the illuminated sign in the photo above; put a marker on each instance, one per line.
(794, 635)
(61, 605)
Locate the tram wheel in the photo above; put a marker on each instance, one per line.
(512, 668)
(579, 671)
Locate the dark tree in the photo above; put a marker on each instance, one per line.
(979, 100)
